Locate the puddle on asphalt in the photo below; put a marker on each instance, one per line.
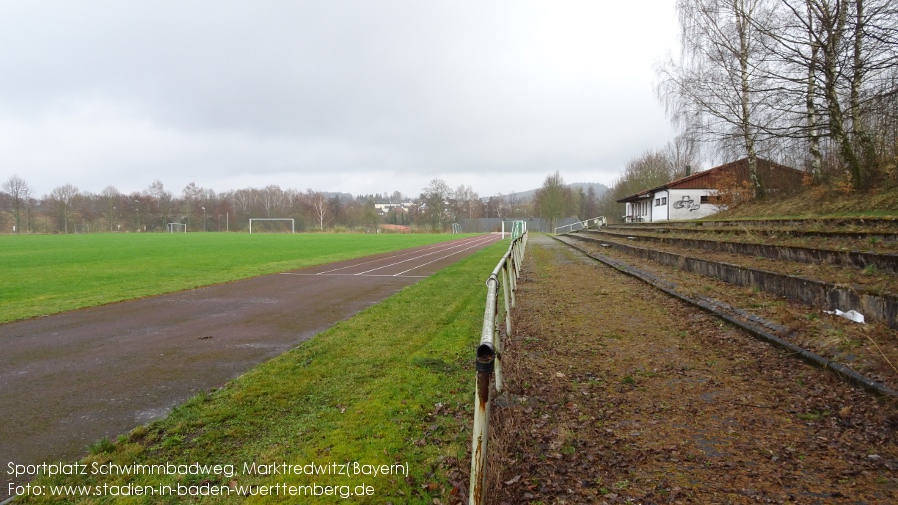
(150, 415)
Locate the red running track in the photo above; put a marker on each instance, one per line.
(71, 379)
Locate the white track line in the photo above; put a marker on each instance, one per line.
(490, 239)
(400, 254)
(445, 246)
(455, 245)
(441, 247)
(353, 275)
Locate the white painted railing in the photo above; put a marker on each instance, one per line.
(583, 225)
(489, 353)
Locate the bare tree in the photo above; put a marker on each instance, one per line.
(163, 199)
(272, 198)
(110, 197)
(554, 199)
(62, 197)
(244, 202)
(20, 193)
(513, 203)
(591, 206)
(651, 169)
(848, 50)
(683, 154)
(335, 207)
(320, 204)
(193, 200)
(436, 196)
(467, 201)
(495, 206)
(719, 90)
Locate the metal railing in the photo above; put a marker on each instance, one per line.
(584, 225)
(489, 353)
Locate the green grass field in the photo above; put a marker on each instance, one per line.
(46, 274)
(391, 386)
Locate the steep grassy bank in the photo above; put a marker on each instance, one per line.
(810, 202)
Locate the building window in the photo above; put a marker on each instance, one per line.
(664, 201)
(657, 202)
(704, 199)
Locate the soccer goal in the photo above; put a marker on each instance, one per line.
(268, 225)
(177, 227)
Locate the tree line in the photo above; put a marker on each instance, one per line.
(66, 209)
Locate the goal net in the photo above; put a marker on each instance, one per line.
(177, 227)
(272, 225)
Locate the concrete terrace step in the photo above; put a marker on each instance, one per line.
(855, 259)
(881, 307)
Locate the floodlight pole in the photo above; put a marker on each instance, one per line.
(138, 214)
(204, 219)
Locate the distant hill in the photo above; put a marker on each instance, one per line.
(344, 197)
(598, 187)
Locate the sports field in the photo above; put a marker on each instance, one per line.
(47, 274)
(388, 389)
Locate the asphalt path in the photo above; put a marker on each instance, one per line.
(69, 380)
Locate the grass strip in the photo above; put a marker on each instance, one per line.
(47, 274)
(391, 386)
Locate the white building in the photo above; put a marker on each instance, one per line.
(692, 197)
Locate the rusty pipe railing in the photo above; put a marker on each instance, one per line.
(489, 353)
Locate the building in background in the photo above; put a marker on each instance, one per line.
(700, 195)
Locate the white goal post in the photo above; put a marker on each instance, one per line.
(180, 227)
(292, 223)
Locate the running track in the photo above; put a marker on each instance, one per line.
(71, 379)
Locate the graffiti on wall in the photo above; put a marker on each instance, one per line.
(686, 203)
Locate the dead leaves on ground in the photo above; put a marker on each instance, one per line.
(676, 408)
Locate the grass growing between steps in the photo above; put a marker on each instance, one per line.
(391, 387)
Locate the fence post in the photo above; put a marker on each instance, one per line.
(481, 427)
(489, 355)
(506, 295)
(486, 359)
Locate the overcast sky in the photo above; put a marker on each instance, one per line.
(333, 95)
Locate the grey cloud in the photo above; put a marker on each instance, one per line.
(226, 90)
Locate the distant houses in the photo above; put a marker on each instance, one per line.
(696, 195)
(384, 208)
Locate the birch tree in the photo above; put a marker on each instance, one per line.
(320, 204)
(718, 89)
(272, 198)
(847, 50)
